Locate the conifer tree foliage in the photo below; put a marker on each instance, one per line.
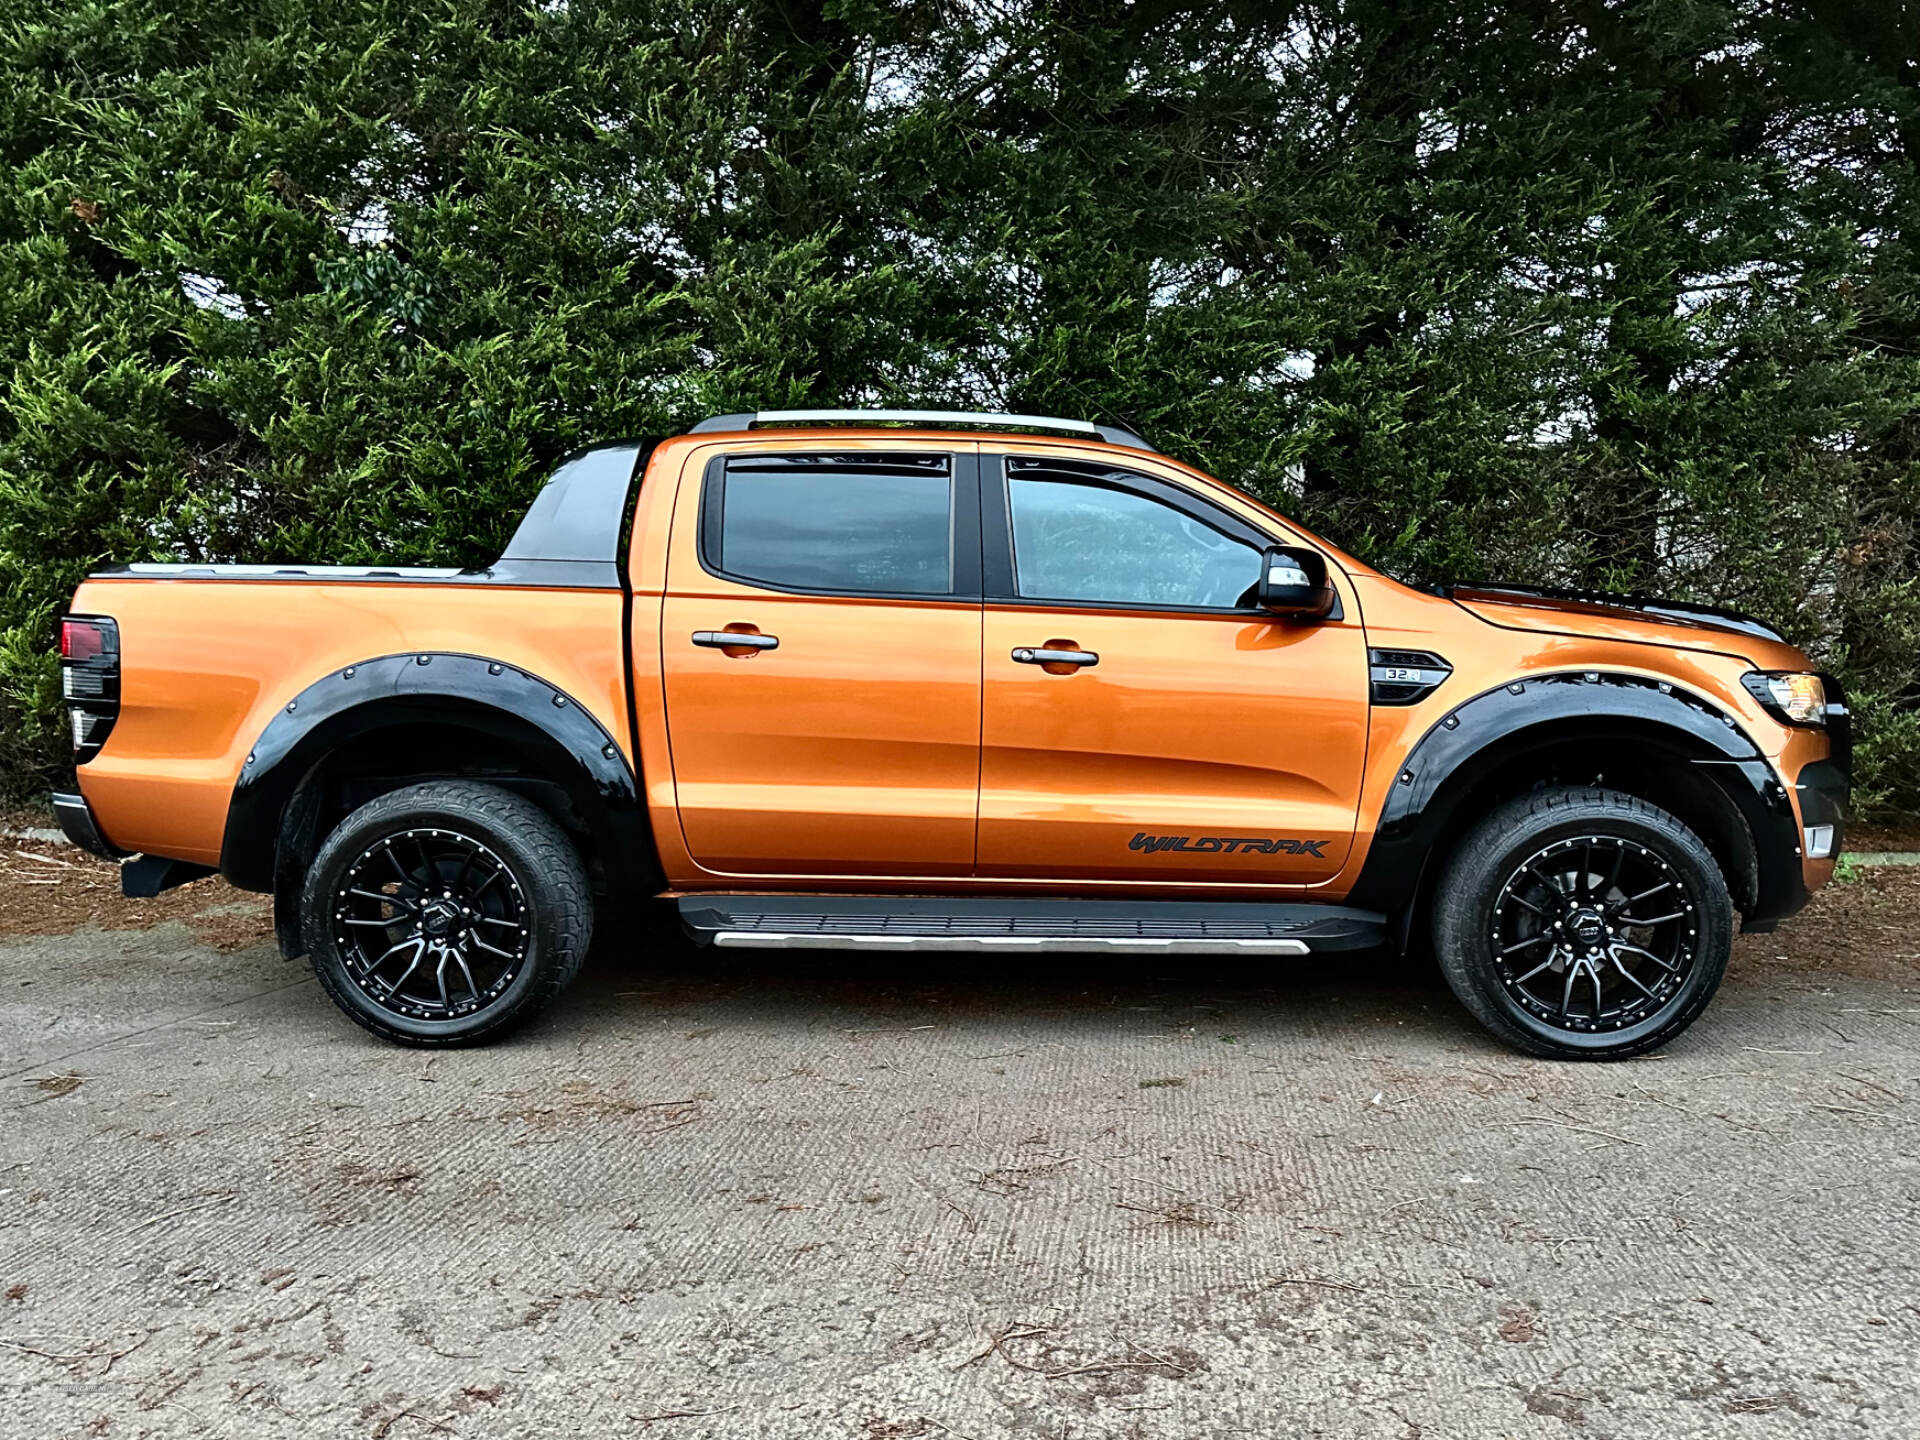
(1613, 293)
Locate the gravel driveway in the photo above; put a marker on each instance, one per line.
(821, 1196)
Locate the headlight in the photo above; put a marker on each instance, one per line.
(1795, 698)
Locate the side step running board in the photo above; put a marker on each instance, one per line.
(900, 922)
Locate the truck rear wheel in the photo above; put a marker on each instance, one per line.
(1583, 924)
(446, 913)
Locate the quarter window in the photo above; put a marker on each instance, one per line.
(1078, 541)
(838, 523)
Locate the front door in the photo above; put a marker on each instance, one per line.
(1141, 719)
(820, 645)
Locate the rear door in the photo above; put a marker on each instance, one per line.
(821, 655)
(1185, 735)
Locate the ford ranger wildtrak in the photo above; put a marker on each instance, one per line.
(914, 680)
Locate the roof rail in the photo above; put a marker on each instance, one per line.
(1112, 434)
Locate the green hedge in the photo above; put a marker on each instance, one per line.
(1612, 295)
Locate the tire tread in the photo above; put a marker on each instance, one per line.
(552, 855)
(1458, 932)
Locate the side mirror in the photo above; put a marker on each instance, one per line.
(1293, 583)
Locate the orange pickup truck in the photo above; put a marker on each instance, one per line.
(916, 680)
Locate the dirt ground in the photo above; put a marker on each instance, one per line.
(1899, 834)
(55, 889)
(725, 1195)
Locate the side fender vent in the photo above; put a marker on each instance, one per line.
(1405, 677)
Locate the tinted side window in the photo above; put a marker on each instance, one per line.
(1077, 541)
(845, 524)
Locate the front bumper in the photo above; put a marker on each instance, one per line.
(1788, 872)
(1824, 792)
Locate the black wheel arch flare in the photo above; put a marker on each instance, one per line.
(1510, 723)
(272, 801)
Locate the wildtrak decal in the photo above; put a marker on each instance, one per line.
(1227, 844)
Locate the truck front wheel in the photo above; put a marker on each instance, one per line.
(1583, 924)
(446, 913)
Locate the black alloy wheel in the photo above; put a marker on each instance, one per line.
(1582, 923)
(432, 924)
(446, 913)
(1574, 939)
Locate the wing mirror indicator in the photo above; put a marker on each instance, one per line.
(1293, 583)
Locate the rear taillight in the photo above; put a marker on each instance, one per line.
(90, 680)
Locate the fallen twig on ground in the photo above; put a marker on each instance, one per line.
(1856, 1110)
(1582, 1129)
(679, 1415)
(219, 1199)
(1314, 1280)
(1179, 1212)
(997, 1340)
(395, 1418)
(1871, 1085)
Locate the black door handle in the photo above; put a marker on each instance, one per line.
(735, 640)
(1041, 655)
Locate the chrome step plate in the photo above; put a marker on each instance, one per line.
(1055, 944)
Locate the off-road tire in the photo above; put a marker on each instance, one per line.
(544, 871)
(1467, 909)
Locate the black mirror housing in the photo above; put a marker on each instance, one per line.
(1293, 583)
